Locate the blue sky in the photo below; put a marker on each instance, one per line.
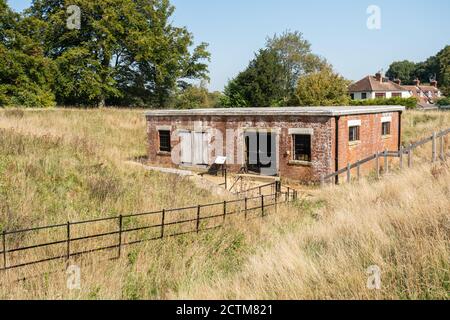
(337, 30)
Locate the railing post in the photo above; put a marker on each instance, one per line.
(163, 218)
(386, 162)
(358, 170)
(262, 205)
(410, 156)
(68, 241)
(349, 173)
(434, 148)
(245, 207)
(120, 236)
(198, 218)
(224, 211)
(401, 156)
(377, 160)
(4, 249)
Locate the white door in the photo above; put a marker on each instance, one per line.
(200, 148)
(186, 147)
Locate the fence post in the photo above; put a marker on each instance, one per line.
(434, 148)
(386, 162)
(4, 249)
(224, 211)
(442, 148)
(245, 207)
(163, 218)
(358, 170)
(349, 173)
(198, 218)
(377, 160)
(410, 156)
(322, 180)
(262, 205)
(401, 156)
(288, 197)
(68, 241)
(120, 235)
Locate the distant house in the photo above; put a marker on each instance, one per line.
(427, 95)
(373, 87)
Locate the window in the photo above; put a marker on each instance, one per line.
(380, 95)
(164, 141)
(353, 133)
(396, 94)
(302, 147)
(364, 95)
(386, 128)
(352, 96)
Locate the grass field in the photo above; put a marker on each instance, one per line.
(59, 165)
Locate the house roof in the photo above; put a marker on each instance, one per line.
(370, 84)
(285, 111)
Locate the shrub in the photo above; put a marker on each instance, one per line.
(409, 103)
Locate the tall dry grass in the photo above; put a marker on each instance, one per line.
(316, 248)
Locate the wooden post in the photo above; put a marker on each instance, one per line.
(68, 241)
(120, 236)
(358, 170)
(386, 162)
(349, 173)
(442, 148)
(401, 156)
(198, 218)
(163, 218)
(322, 180)
(262, 205)
(4, 248)
(377, 160)
(434, 150)
(288, 197)
(410, 156)
(245, 207)
(224, 211)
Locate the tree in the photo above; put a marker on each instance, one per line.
(193, 97)
(260, 85)
(322, 88)
(125, 52)
(403, 70)
(26, 76)
(297, 59)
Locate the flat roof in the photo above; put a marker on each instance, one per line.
(282, 111)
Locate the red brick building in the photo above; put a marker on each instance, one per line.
(298, 143)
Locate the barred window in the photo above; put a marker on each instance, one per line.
(302, 147)
(164, 141)
(386, 128)
(353, 133)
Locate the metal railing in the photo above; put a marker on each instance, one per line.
(74, 239)
(385, 155)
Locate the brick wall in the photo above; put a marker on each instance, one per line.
(322, 141)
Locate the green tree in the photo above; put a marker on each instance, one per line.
(297, 59)
(260, 85)
(322, 88)
(404, 70)
(126, 52)
(26, 76)
(193, 97)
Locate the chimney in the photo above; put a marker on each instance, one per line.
(379, 77)
(398, 81)
(433, 83)
(416, 82)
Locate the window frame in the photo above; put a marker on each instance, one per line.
(357, 133)
(166, 148)
(294, 148)
(383, 124)
(363, 95)
(380, 95)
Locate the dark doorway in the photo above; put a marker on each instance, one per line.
(260, 153)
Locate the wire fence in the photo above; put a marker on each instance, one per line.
(404, 154)
(74, 239)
